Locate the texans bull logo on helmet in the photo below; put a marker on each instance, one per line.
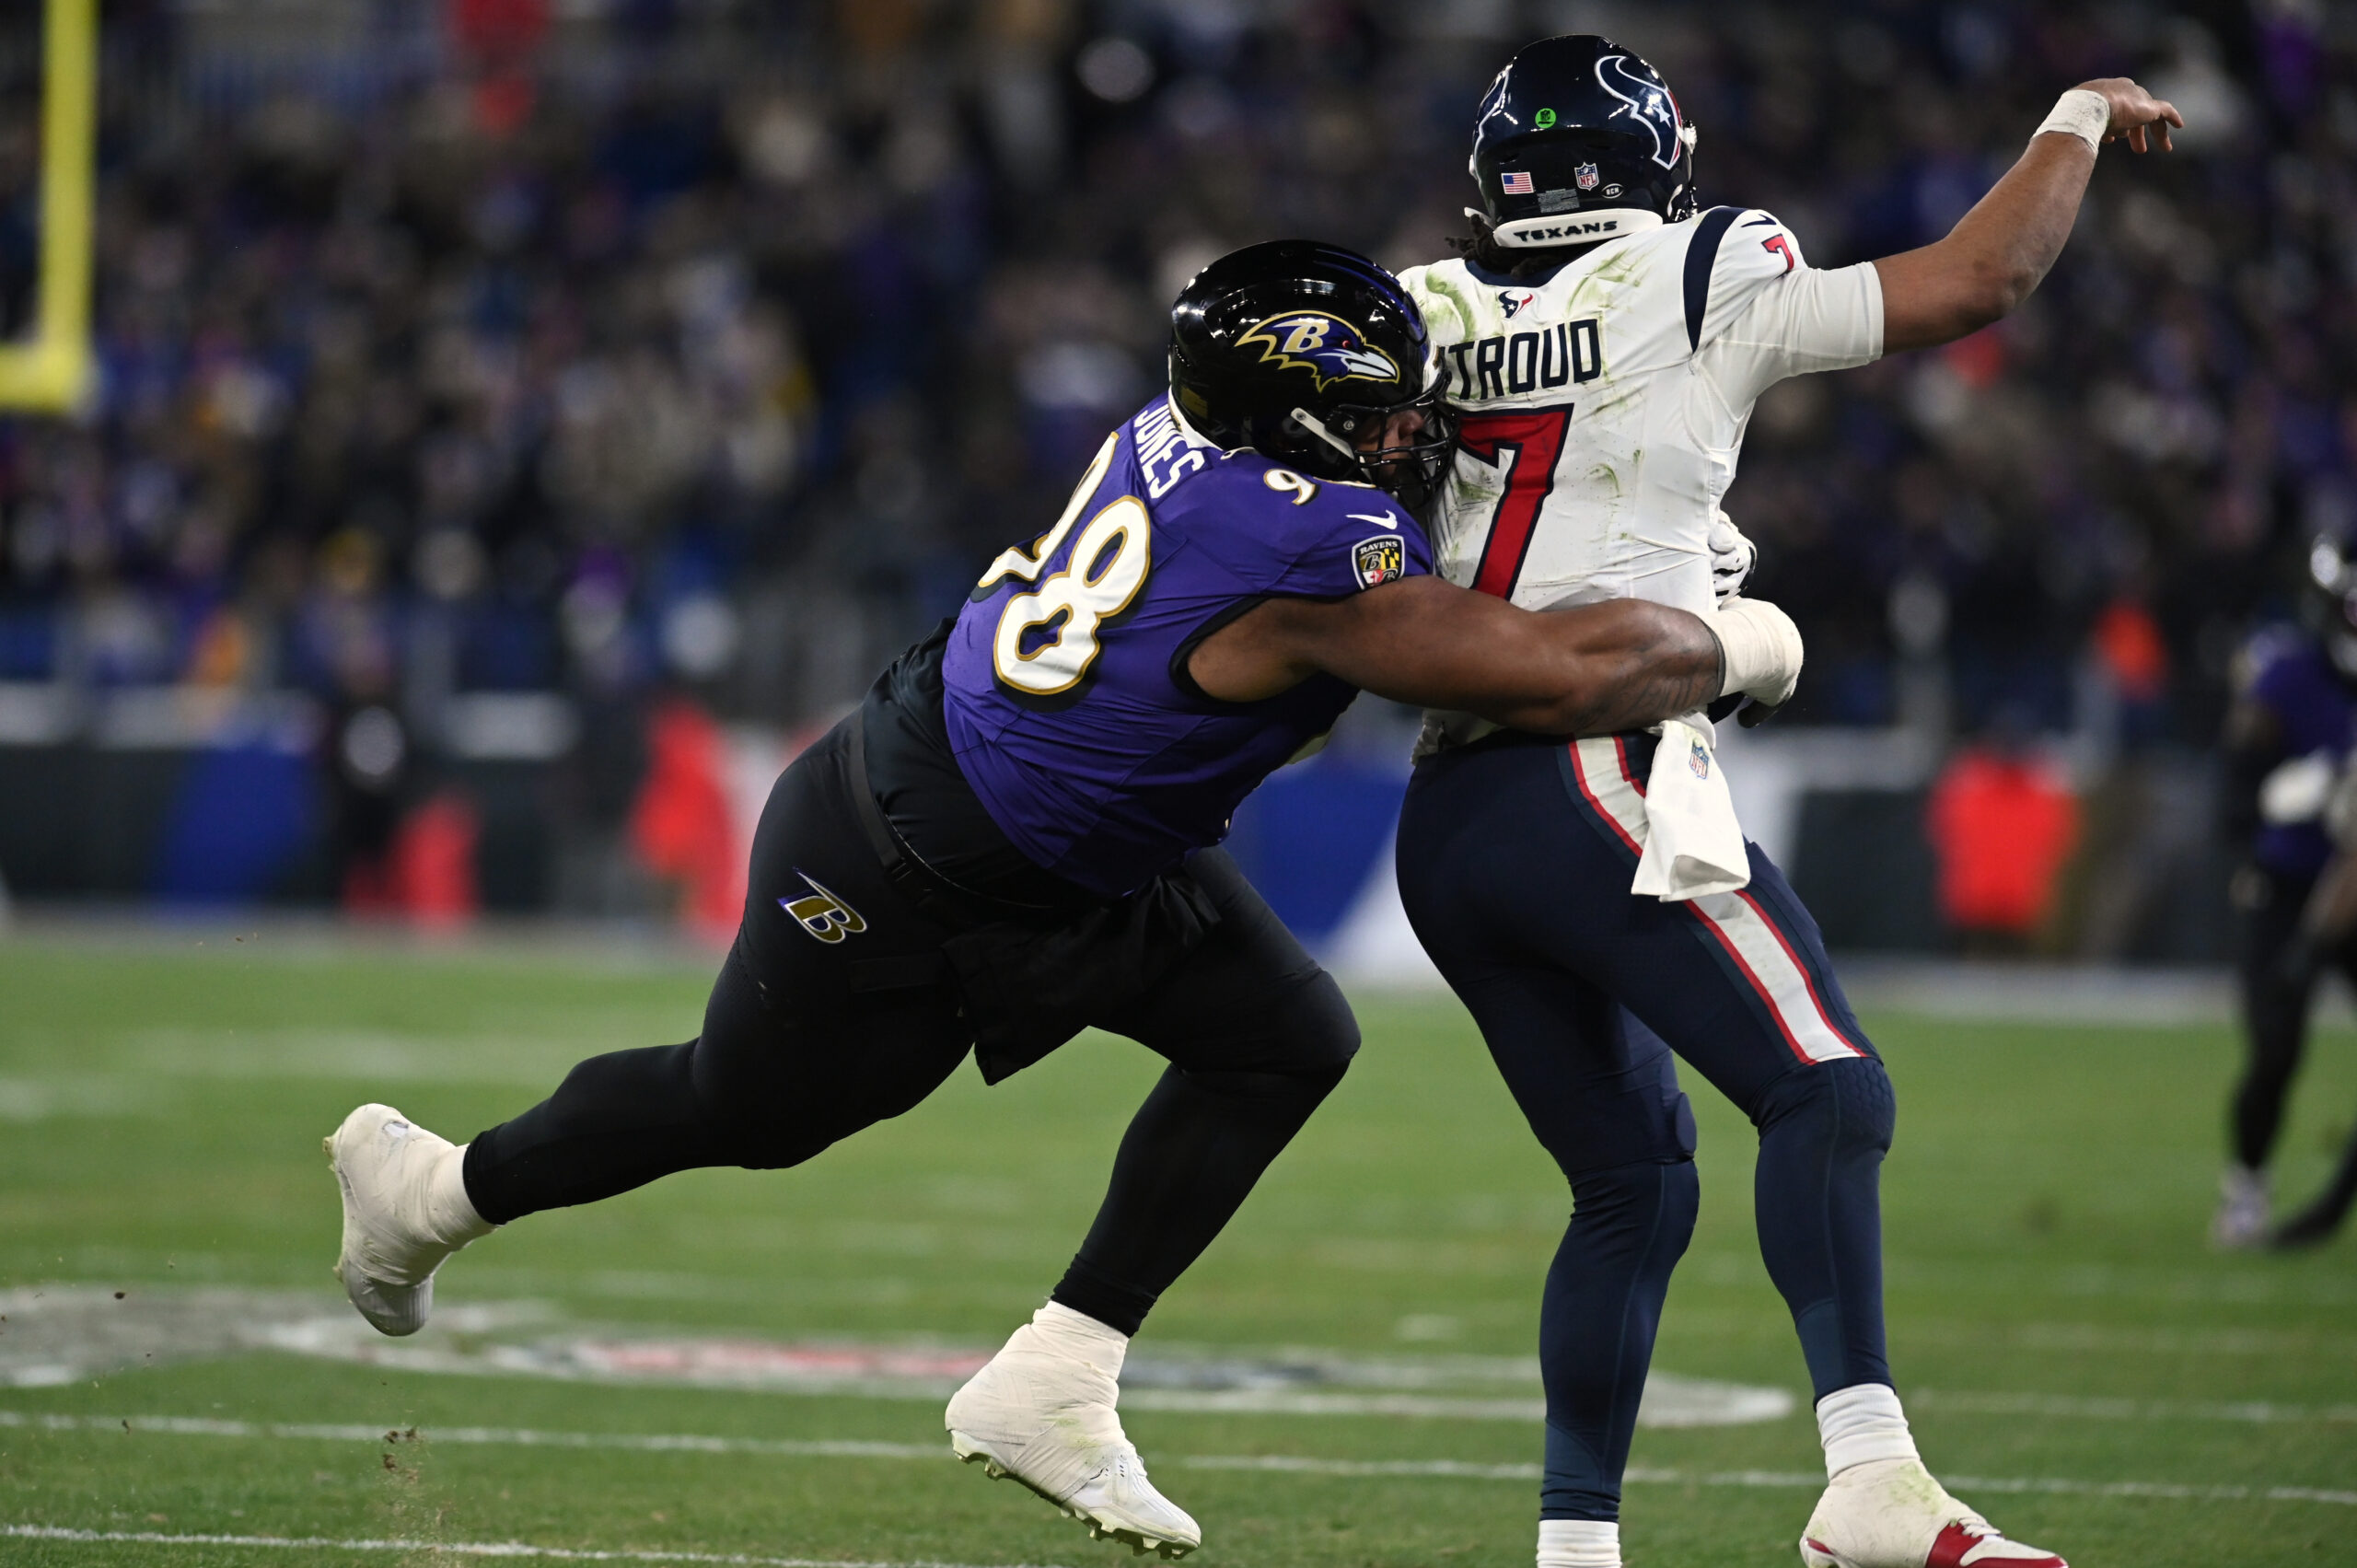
(1330, 348)
(1647, 103)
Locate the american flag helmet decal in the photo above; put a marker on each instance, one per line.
(1513, 183)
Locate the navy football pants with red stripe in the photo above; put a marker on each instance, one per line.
(1515, 860)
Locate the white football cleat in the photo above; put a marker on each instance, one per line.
(2241, 1223)
(1041, 1412)
(1891, 1514)
(406, 1209)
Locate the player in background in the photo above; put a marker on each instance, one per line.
(2292, 797)
(1604, 343)
(1013, 838)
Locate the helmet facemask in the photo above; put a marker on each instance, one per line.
(1410, 470)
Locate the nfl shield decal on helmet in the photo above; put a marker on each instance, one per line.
(1330, 348)
(1381, 560)
(1586, 177)
(1699, 761)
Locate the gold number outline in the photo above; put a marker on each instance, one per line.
(1008, 636)
(1015, 561)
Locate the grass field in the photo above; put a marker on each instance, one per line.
(2122, 1394)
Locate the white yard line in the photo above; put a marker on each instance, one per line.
(495, 1436)
(1458, 1469)
(2259, 1412)
(1797, 1480)
(459, 1549)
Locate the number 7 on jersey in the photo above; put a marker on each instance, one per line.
(1524, 447)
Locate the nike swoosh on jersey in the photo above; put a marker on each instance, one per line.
(1388, 520)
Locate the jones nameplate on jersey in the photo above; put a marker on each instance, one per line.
(1381, 560)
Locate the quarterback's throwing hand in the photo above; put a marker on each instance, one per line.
(2135, 113)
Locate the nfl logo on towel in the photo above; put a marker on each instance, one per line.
(1699, 761)
(1512, 184)
(1586, 176)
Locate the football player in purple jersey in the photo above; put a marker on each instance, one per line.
(2291, 799)
(1016, 837)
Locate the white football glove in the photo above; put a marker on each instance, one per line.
(1760, 650)
(1731, 556)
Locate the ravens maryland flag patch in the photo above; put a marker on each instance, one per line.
(1383, 559)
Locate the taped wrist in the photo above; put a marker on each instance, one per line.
(2081, 113)
(1759, 650)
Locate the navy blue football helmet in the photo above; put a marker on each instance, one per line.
(1580, 140)
(1296, 349)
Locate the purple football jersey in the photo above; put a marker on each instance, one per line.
(1065, 689)
(2315, 711)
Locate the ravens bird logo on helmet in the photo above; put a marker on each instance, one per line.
(1330, 348)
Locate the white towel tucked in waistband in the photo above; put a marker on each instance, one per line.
(1693, 845)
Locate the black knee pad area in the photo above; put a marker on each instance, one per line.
(1305, 1088)
(1852, 1097)
(1663, 1195)
(1319, 1028)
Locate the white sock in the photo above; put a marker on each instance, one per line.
(449, 1213)
(1579, 1543)
(1079, 1335)
(2241, 1178)
(1860, 1423)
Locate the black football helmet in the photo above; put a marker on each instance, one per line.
(1580, 140)
(1296, 349)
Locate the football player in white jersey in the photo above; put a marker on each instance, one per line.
(1595, 904)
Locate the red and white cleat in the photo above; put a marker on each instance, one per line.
(1891, 1514)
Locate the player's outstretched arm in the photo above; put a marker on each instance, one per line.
(2000, 250)
(1597, 669)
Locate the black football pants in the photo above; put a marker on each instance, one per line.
(799, 1051)
(2276, 995)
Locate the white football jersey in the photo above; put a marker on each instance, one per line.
(1603, 405)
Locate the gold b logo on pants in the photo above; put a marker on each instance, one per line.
(822, 915)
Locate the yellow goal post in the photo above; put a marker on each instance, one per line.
(49, 371)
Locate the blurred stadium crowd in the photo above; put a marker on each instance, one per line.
(650, 349)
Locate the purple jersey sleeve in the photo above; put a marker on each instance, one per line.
(1314, 538)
